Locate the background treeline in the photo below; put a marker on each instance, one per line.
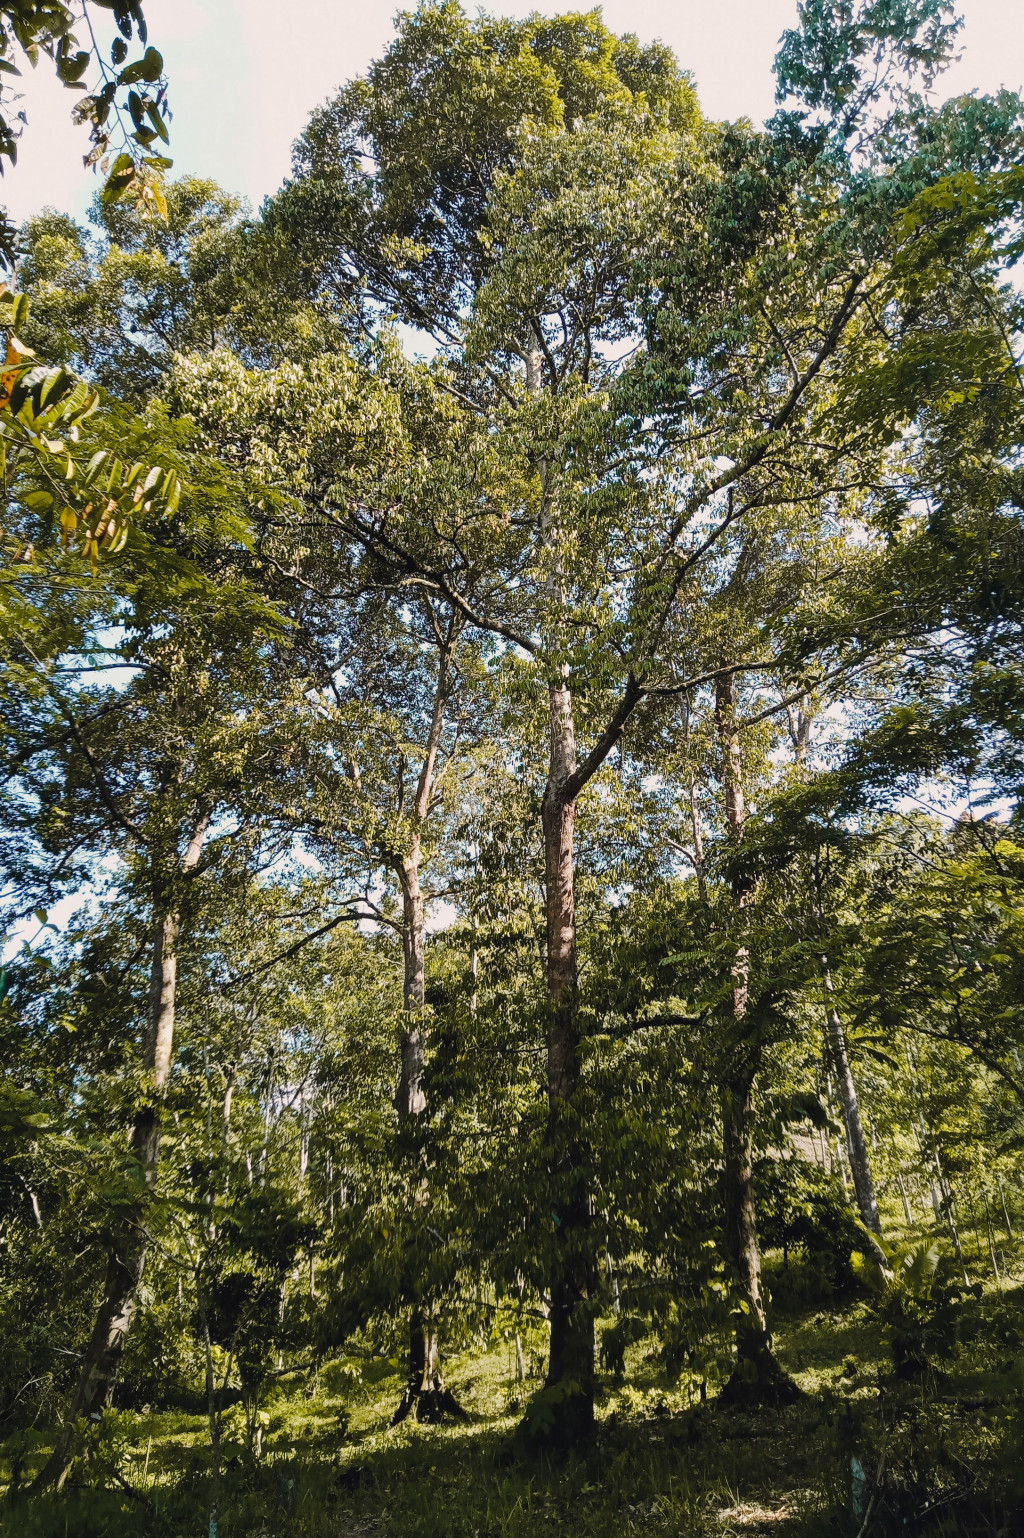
(526, 823)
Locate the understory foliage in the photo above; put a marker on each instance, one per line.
(513, 862)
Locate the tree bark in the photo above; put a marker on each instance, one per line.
(213, 1415)
(757, 1370)
(740, 1215)
(570, 1376)
(941, 1191)
(739, 1206)
(410, 1099)
(1006, 1215)
(571, 1355)
(425, 1390)
(907, 1214)
(225, 1115)
(129, 1243)
(856, 1144)
(696, 831)
(698, 841)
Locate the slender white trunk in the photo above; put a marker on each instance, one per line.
(856, 1147)
(908, 1215)
(127, 1257)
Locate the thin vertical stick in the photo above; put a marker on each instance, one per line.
(991, 1237)
(1002, 1203)
(906, 1204)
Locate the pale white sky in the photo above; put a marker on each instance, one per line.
(245, 75)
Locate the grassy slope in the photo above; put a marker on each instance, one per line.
(950, 1447)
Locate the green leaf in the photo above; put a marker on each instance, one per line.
(94, 466)
(149, 68)
(152, 112)
(56, 384)
(72, 69)
(122, 174)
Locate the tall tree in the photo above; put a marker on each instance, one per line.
(157, 769)
(526, 320)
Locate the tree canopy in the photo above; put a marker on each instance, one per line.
(512, 747)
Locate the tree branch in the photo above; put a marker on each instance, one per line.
(292, 950)
(631, 697)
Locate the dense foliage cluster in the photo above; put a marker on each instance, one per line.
(513, 835)
(126, 108)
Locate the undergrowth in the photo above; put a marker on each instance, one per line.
(866, 1449)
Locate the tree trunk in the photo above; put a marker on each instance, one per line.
(856, 1145)
(942, 1194)
(411, 1101)
(991, 1237)
(739, 1208)
(757, 1370)
(696, 831)
(698, 841)
(426, 1391)
(740, 1215)
(213, 1415)
(571, 1356)
(410, 1098)
(945, 1210)
(425, 1386)
(225, 1114)
(907, 1214)
(1006, 1215)
(129, 1243)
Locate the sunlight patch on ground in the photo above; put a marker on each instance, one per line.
(749, 1516)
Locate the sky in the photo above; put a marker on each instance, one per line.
(245, 75)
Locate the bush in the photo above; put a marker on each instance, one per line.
(919, 1303)
(806, 1210)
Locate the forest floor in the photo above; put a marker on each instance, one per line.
(860, 1452)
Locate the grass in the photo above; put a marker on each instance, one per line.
(949, 1446)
